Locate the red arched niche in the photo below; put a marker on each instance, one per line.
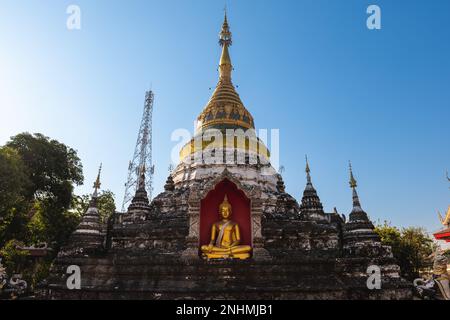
(209, 211)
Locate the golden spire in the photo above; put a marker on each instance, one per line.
(225, 66)
(225, 108)
(353, 183)
(97, 181)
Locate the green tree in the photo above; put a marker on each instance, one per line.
(410, 246)
(50, 169)
(37, 178)
(13, 205)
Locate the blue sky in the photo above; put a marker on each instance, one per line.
(336, 90)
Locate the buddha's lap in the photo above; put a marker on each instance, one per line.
(239, 248)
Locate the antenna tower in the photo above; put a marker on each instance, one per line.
(142, 157)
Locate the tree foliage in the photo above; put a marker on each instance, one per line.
(13, 185)
(37, 202)
(52, 167)
(410, 246)
(39, 175)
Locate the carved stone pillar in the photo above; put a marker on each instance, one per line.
(192, 240)
(259, 252)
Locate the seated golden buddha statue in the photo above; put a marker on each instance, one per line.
(225, 238)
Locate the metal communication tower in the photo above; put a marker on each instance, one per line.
(142, 157)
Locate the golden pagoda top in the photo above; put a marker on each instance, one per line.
(225, 108)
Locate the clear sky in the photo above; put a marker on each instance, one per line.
(336, 90)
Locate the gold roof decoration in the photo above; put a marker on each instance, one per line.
(97, 183)
(225, 108)
(445, 220)
(352, 182)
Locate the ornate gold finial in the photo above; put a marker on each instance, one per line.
(225, 66)
(353, 183)
(97, 181)
(96, 186)
(225, 203)
(225, 34)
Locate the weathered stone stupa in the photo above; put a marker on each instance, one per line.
(227, 229)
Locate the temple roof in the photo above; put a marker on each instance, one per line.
(225, 108)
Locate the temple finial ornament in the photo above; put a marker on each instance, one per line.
(307, 170)
(225, 34)
(353, 183)
(357, 212)
(225, 66)
(97, 183)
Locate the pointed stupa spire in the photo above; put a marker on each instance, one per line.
(97, 183)
(225, 41)
(357, 212)
(225, 108)
(358, 228)
(140, 204)
(96, 186)
(353, 184)
(311, 205)
(89, 233)
(308, 171)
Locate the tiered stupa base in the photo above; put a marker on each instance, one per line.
(147, 261)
